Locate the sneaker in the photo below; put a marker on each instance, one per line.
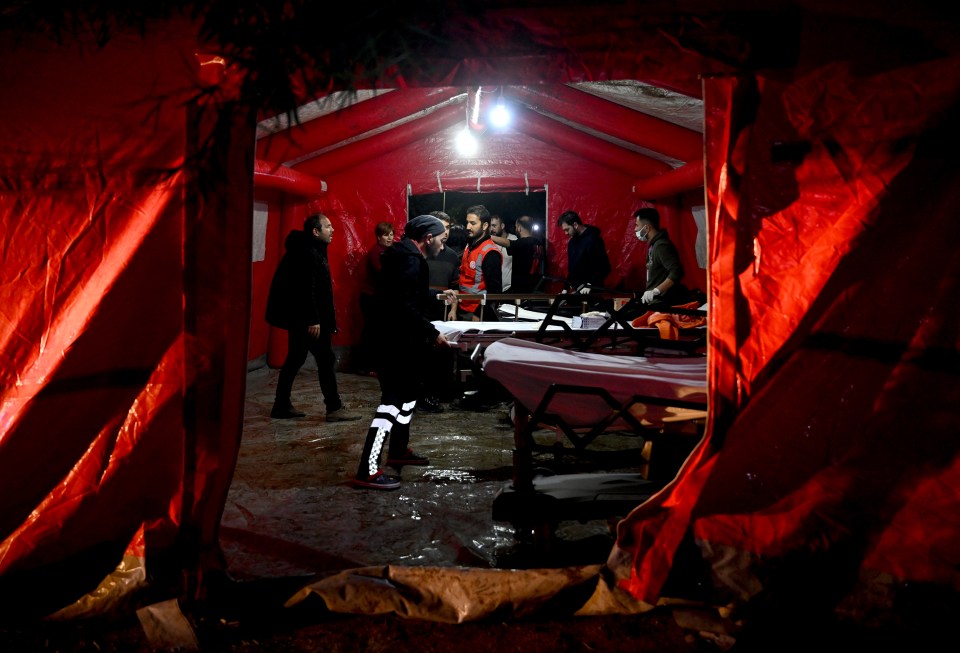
(285, 412)
(342, 415)
(408, 458)
(429, 405)
(378, 481)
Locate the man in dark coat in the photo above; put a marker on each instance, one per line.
(406, 337)
(587, 260)
(527, 253)
(301, 301)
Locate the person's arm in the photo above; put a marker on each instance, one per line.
(669, 259)
(501, 240)
(601, 258)
(492, 272)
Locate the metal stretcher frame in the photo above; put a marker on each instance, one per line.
(611, 334)
(533, 509)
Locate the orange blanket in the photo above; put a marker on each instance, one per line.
(670, 324)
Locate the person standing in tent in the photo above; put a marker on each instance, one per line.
(457, 241)
(383, 232)
(301, 302)
(444, 275)
(587, 260)
(503, 240)
(664, 271)
(480, 266)
(527, 255)
(405, 338)
(444, 267)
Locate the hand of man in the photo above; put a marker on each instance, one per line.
(314, 330)
(441, 341)
(650, 296)
(449, 296)
(585, 290)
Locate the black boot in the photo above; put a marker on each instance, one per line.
(285, 411)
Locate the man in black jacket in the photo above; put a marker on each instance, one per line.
(587, 261)
(301, 301)
(403, 302)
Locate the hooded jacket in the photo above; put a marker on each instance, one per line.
(301, 292)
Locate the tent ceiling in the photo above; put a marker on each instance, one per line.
(628, 96)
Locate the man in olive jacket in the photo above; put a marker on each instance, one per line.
(405, 338)
(301, 301)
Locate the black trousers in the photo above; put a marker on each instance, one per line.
(401, 374)
(299, 343)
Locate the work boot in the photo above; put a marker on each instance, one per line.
(429, 405)
(342, 415)
(285, 411)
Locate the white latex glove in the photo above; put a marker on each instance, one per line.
(585, 290)
(650, 296)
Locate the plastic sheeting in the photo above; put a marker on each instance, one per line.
(829, 471)
(122, 390)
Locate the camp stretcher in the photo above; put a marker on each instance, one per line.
(581, 396)
(547, 324)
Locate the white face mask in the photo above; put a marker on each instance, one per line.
(642, 233)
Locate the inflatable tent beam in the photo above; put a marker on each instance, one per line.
(610, 118)
(369, 148)
(279, 177)
(672, 182)
(297, 143)
(559, 135)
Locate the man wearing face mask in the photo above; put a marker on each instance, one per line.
(664, 271)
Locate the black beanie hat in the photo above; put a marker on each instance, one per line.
(422, 225)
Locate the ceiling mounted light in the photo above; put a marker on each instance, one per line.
(500, 115)
(466, 142)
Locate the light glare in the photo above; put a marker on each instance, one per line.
(466, 143)
(500, 116)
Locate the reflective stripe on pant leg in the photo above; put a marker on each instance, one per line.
(381, 426)
(406, 412)
(373, 461)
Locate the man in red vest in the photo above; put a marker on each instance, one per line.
(480, 267)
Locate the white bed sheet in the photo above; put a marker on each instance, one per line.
(527, 369)
(455, 330)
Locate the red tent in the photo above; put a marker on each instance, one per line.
(128, 175)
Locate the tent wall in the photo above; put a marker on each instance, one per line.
(126, 260)
(829, 472)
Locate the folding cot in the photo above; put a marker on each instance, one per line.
(584, 397)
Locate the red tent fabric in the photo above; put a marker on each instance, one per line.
(831, 192)
(123, 253)
(833, 380)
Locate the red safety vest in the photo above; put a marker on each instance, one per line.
(471, 272)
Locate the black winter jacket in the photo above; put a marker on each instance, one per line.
(403, 300)
(301, 292)
(587, 260)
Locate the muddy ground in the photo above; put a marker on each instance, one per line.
(292, 516)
